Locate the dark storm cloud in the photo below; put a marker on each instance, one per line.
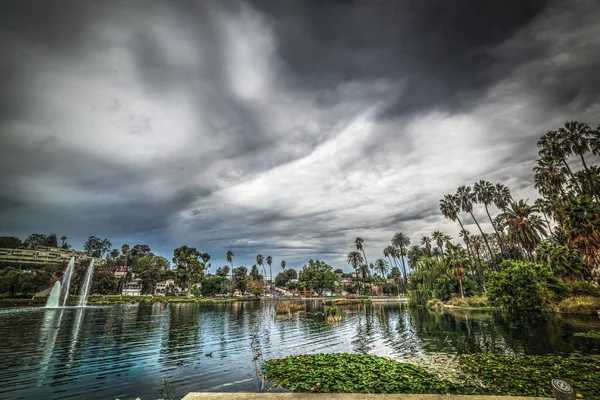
(281, 127)
(439, 51)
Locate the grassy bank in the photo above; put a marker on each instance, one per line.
(494, 374)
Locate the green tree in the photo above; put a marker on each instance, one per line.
(35, 240)
(215, 285)
(426, 243)
(466, 199)
(582, 226)
(96, 247)
(10, 242)
(457, 262)
(151, 269)
(355, 259)
(524, 226)
(358, 242)
(318, 276)
(223, 271)
(518, 286)
(240, 279)
(401, 241)
(256, 286)
(283, 278)
(381, 266)
(255, 274)
(190, 269)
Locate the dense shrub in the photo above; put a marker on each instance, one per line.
(446, 287)
(518, 286)
(582, 288)
(478, 302)
(579, 305)
(458, 302)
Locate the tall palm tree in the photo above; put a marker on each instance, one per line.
(447, 240)
(575, 137)
(355, 259)
(549, 177)
(476, 243)
(63, 240)
(466, 237)
(426, 243)
(450, 207)
(439, 240)
(457, 261)
(229, 257)
(552, 146)
(466, 198)
(388, 252)
(269, 262)
(260, 260)
(358, 242)
(525, 228)
(502, 196)
(401, 241)
(381, 266)
(283, 264)
(485, 193)
(544, 207)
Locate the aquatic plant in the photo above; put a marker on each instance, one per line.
(290, 307)
(332, 315)
(579, 305)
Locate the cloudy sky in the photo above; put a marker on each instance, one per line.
(278, 127)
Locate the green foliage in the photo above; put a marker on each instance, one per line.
(96, 247)
(10, 242)
(318, 276)
(284, 277)
(518, 286)
(355, 373)
(560, 259)
(254, 273)
(104, 282)
(509, 375)
(579, 305)
(151, 269)
(240, 278)
(190, 268)
(593, 334)
(215, 285)
(256, 286)
(223, 271)
(583, 288)
(14, 282)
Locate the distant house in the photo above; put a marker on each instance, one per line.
(121, 272)
(132, 288)
(163, 287)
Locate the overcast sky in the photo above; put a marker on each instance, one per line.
(286, 128)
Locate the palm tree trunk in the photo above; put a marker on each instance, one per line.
(482, 234)
(368, 272)
(571, 173)
(589, 176)
(460, 282)
(480, 271)
(495, 230)
(405, 275)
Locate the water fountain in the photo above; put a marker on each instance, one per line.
(60, 290)
(66, 280)
(54, 296)
(85, 290)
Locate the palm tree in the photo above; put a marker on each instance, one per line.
(466, 198)
(269, 262)
(426, 243)
(449, 206)
(358, 242)
(551, 146)
(466, 237)
(524, 226)
(283, 264)
(476, 243)
(456, 261)
(447, 240)
(63, 240)
(381, 266)
(401, 241)
(259, 261)
(229, 257)
(388, 252)
(355, 259)
(544, 206)
(549, 177)
(575, 137)
(484, 192)
(114, 254)
(439, 240)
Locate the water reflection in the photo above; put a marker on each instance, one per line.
(125, 351)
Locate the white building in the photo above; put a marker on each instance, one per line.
(163, 287)
(132, 288)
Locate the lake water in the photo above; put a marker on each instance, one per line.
(125, 351)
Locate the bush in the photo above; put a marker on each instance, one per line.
(458, 302)
(579, 305)
(518, 286)
(582, 288)
(478, 302)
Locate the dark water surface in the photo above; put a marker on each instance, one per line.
(125, 351)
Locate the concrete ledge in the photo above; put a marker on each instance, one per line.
(344, 396)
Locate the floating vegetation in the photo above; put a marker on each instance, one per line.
(344, 302)
(333, 316)
(480, 374)
(531, 375)
(593, 334)
(355, 373)
(290, 307)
